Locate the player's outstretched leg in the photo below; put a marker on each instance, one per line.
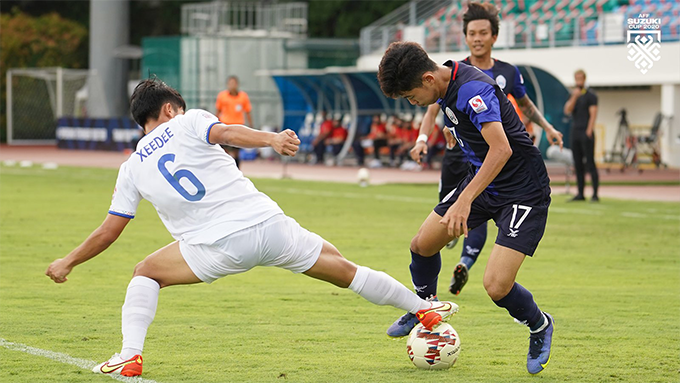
(377, 287)
(472, 246)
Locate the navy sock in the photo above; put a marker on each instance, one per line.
(521, 305)
(473, 245)
(424, 274)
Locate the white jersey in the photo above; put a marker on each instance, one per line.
(196, 188)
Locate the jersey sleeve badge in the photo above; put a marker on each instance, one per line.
(478, 104)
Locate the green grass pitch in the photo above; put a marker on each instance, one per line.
(609, 274)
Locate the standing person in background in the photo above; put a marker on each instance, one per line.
(232, 105)
(480, 26)
(582, 106)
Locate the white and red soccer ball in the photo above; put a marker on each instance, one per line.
(437, 349)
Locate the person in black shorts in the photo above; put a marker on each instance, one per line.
(582, 106)
(480, 26)
(507, 182)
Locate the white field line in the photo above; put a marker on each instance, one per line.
(67, 359)
(599, 211)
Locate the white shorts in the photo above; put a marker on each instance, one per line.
(278, 241)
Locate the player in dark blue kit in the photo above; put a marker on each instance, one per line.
(507, 182)
(480, 26)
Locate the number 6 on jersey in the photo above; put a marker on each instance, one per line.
(173, 179)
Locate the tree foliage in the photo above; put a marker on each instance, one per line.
(345, 18)
(44, 41)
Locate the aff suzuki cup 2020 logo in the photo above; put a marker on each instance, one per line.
(644, 41)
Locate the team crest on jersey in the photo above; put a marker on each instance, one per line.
(478, 104)
(451, 116)
(501, 81)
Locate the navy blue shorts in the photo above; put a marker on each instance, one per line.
(520, 221)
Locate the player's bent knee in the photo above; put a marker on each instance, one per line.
(419, 247)
(144, 269)
(495, 289)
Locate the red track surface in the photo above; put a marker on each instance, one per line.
(275, 169)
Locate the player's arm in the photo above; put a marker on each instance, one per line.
(499, 152)
(531, 112)
(426, 128)
(591, 120)
(100, 239)
(286, 142)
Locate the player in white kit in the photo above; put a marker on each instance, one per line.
(218, 218)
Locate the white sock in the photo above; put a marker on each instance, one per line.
(381, 289)
(139, 310)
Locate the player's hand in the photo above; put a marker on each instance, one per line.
(58, 270)
(589, 133)
(286, 143)
(456, 218)
(419, 151)
(554, 137)
(450, 140)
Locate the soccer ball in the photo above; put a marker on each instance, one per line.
(363, 177)
(433, 350)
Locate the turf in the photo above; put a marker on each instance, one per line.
(609, 273)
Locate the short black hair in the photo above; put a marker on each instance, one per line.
(148, 98)
(479, 11)
(401, 68)
(232, 77)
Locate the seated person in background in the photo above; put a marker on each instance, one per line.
(409, 134)
(379, 136)
(394, 139)
(325, 131)
(362, 138)
(338, 136)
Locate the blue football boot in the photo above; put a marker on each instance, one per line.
(539, 347)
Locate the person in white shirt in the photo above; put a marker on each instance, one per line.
(217, 217)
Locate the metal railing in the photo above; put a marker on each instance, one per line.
(380, 33)
(239, 18)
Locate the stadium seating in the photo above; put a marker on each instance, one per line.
(568, 20)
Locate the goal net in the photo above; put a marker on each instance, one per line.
(37, 97)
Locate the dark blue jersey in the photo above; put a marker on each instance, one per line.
(510, 81)
(473, 98)
(507, 77)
